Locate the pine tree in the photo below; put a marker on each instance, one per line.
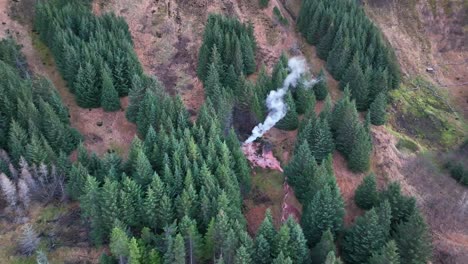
(263, 3)
(413, 240)
(267, 230)
(305, 99)
(354, 77)
(262, 250)
(290, 121)
(331, 259)
(248, 55)
(402, 207)
(130, 199)
(321, 88)
(364, 237)
(281, 259)
(326, 245)
(366, 195)
(203, 59)
(119, 244)
(109, 98)
(324, 211)
(321, 140)
(109, 205)
(238, 61)
(134, 252)
(298, 249)
(242, 256)
(282, 241)
(178, 252)
(386, 255)
(86, 91)
(377, 110)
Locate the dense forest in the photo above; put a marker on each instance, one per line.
(178, 196)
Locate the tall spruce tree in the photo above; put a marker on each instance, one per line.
(324, 211)
(109, 97)
(364, 237)
(413, 240)
(377, 110)
(326, 245)
(290, 121)
(321, 88)
(386, 255)
(366, 195)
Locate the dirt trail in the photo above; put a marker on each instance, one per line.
(114, 132)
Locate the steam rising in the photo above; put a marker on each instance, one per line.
(277, 108)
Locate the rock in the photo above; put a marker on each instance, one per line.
(99, 123)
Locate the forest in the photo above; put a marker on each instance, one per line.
(177, 197)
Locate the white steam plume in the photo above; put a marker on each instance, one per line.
(277, 108)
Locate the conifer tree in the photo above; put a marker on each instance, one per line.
(282, 259)
(366, 195)
(262, 250)
(203, 59)
(359, 158)
(264, 3)
(109, 98)
(109, 205)
(326, 245)
(178, 252)
(364, 237)
(321, 88)
(134, 254)
(331, 259)
(130, 199)
(290, 121)
(305, 98)
(321, 140)
(119, 244)
(386, 255)
(402, 207)
(413, 240)
(86, 91)
(242, 256)
(267, 230)
(377, 110)
(298, 249)
(324, 211)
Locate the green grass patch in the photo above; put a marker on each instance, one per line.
(407, 144)
(424, 113)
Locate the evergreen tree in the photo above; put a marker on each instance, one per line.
(377, 110)
(326, 245)
(366, 195)
(413, 240)
(109, 98)
(86, 91)
(305, 99)
(134, 254)
(321, 140)
(263, 3)
(321, 88)
(242, 256)
(386, 255)
(267, 230)
(402, 207)
(298, 249)
(324, 211)
(119, 244)
(282, 259)
(178, 251)
(364, 237)
(262, 250)
(331, 259)
(290, 121)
